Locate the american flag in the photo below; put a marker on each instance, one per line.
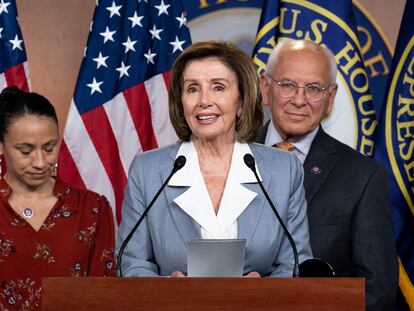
(13, 61)
(120, 104)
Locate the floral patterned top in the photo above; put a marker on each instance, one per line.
(76, 239)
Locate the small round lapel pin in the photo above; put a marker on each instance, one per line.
(316, 170)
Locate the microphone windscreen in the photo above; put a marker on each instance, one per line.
(179, 162)
(249, 160)
(316, 268)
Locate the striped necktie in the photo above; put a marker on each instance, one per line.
(284, 145)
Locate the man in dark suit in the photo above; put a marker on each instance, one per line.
(347, 192)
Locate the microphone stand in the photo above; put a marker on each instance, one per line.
(178, 164)
(250, 162)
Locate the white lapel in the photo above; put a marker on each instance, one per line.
(196, 201)
(236, 198)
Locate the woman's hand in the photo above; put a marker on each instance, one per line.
(177, 274)
(252, 274)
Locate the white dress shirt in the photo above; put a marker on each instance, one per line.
(196, 201)
(302, 145)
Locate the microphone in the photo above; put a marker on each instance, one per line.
(249, 161)
(178, 164)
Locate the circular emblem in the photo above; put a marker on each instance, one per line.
(238, 25)
(316, 170)
(399, 122)
(353, 117)
(27, 213)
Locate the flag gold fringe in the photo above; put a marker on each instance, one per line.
(406, 286)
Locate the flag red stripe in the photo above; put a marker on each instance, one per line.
(17, 76)
(166, 76)
(99, 128)
(140, 110)
(67, 169)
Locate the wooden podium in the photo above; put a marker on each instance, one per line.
(61, 294)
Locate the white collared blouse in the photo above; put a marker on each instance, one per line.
(196, 201)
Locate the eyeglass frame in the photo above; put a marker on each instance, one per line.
(278, 82)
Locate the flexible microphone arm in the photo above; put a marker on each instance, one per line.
(249, 161)
(178, 164)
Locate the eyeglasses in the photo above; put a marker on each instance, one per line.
(288, 89)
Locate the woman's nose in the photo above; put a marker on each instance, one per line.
(204, 98)
(39, 159)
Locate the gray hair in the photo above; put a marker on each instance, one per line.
(287, 44)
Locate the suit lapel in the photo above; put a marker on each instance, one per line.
(319, 163)
(261, 135)
(249, 219)
(185, 225)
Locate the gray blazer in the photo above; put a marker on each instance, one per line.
(159, 246)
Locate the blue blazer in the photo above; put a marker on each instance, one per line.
(159, 246)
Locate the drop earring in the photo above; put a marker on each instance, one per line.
(55, 168)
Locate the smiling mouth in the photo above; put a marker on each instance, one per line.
(297, 115)
(207, 117)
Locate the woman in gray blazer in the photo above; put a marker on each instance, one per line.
(216, 112)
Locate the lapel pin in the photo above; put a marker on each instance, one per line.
(315, 170)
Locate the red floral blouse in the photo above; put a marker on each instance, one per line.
(76, 239)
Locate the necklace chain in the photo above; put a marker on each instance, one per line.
(27, 212)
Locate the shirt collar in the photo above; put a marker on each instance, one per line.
(241, 172)
(196, 202)
(60, 189)
(302, 145)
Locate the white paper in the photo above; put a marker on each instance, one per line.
(216, 257)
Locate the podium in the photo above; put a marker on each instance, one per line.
(97, 293)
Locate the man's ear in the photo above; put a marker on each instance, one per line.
(264, 89)
(331, 98)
